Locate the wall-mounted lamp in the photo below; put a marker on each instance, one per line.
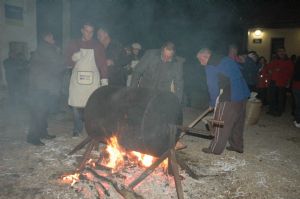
(258, 33)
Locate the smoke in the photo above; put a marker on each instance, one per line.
(189, 24)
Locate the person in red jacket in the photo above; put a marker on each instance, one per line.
(281, 72)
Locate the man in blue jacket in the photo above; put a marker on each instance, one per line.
(228, 95)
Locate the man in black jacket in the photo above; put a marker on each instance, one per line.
(160, 69)
(45, 72)
(117, 58)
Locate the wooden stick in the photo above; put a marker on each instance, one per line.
(100, 184)
(178, 185)
(193, 130)
(106, 192)
(216, 122)
(86, 155)
(199, 118)
(149, 170)
(184, 166)
(80, 145)
(125, 192)
(101, 167)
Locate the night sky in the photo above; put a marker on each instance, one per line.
(188, 23)
(152, 22)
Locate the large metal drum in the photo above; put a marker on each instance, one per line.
(143, 120)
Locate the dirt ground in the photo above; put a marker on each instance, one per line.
(269, 167)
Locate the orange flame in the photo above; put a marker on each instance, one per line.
(71, 179)
(116, 155)
(144, 159)
(164, 164)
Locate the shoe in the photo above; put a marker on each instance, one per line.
(35, 142)
(230, 148)
(297, 124)
(206, 150)
(48, 137)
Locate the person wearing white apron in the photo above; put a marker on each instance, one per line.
(89, 73)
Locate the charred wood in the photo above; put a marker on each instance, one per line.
(149, 170)
(127, 193)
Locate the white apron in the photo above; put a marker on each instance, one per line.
(85, 78)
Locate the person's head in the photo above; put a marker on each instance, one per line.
(281, 53)
(262, 61)
(102, 34)
(273, 56)
(48, 37)
(253, 55)
(136, 48)
(168, 50)
(204, 55)
(87, 31)
(232, 50)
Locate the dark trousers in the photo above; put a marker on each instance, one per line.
(233, 114)
(263, 95)
(296, 94)
(277, 99)
(39, 110)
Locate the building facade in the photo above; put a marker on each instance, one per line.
(265, 41)
(17, 29)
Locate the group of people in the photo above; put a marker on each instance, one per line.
(105, 62)
(271, 80)
(276, 78)
(93, 64)
(231, 78)
(96, 63)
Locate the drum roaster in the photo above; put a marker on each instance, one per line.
(143, 120)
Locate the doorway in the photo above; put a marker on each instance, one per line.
(275, 44)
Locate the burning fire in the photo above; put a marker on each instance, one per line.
(71, 179)
(116, 156)
(146, 160)
(101, 171)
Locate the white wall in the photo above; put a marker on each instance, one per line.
(23, 33)
(291, 41)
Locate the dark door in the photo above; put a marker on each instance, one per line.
(275, 44)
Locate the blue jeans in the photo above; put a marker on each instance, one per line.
(78, 120)
(296, 93)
